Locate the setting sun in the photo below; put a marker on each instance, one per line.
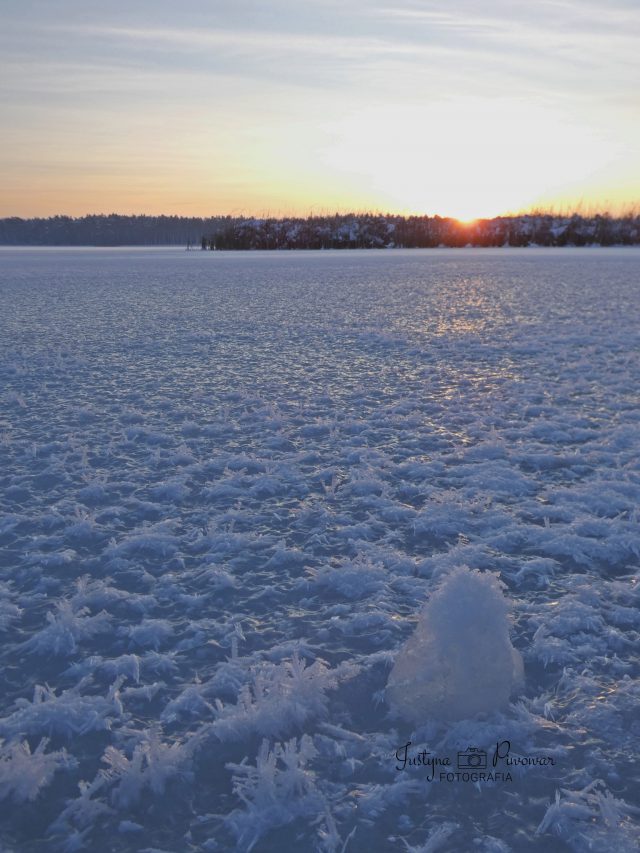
(464, 158)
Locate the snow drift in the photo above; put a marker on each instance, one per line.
(459, 662)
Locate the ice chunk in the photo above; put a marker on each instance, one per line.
(460, 661)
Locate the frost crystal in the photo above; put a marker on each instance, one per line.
(24, 773)
(281, 697)
(277, 790)
(66, 628)
(152, 764)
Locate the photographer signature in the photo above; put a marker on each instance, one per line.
(471, 764)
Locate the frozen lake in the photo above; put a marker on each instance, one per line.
(230, 482)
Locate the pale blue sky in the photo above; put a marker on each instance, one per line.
(460, 108)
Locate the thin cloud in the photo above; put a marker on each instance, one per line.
(248, 40)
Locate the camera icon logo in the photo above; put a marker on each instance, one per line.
(472, 759)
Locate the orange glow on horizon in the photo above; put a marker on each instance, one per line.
(389, 159)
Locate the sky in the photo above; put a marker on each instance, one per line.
(281, 107)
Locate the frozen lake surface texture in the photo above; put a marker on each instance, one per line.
(239, 493)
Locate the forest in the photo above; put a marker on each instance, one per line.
(338, 231)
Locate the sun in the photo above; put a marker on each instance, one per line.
(467, 159)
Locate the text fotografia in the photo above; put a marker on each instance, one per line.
(472, 765)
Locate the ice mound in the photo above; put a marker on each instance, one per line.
(459, 662)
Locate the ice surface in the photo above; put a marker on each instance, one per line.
(459, 662)
(230, 484)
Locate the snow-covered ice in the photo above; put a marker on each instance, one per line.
(237, 491)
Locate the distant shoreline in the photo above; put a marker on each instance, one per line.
(283, 251)
(339, 231)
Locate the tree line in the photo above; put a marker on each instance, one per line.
(339, 231)
(371, 231)
(106, 230)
